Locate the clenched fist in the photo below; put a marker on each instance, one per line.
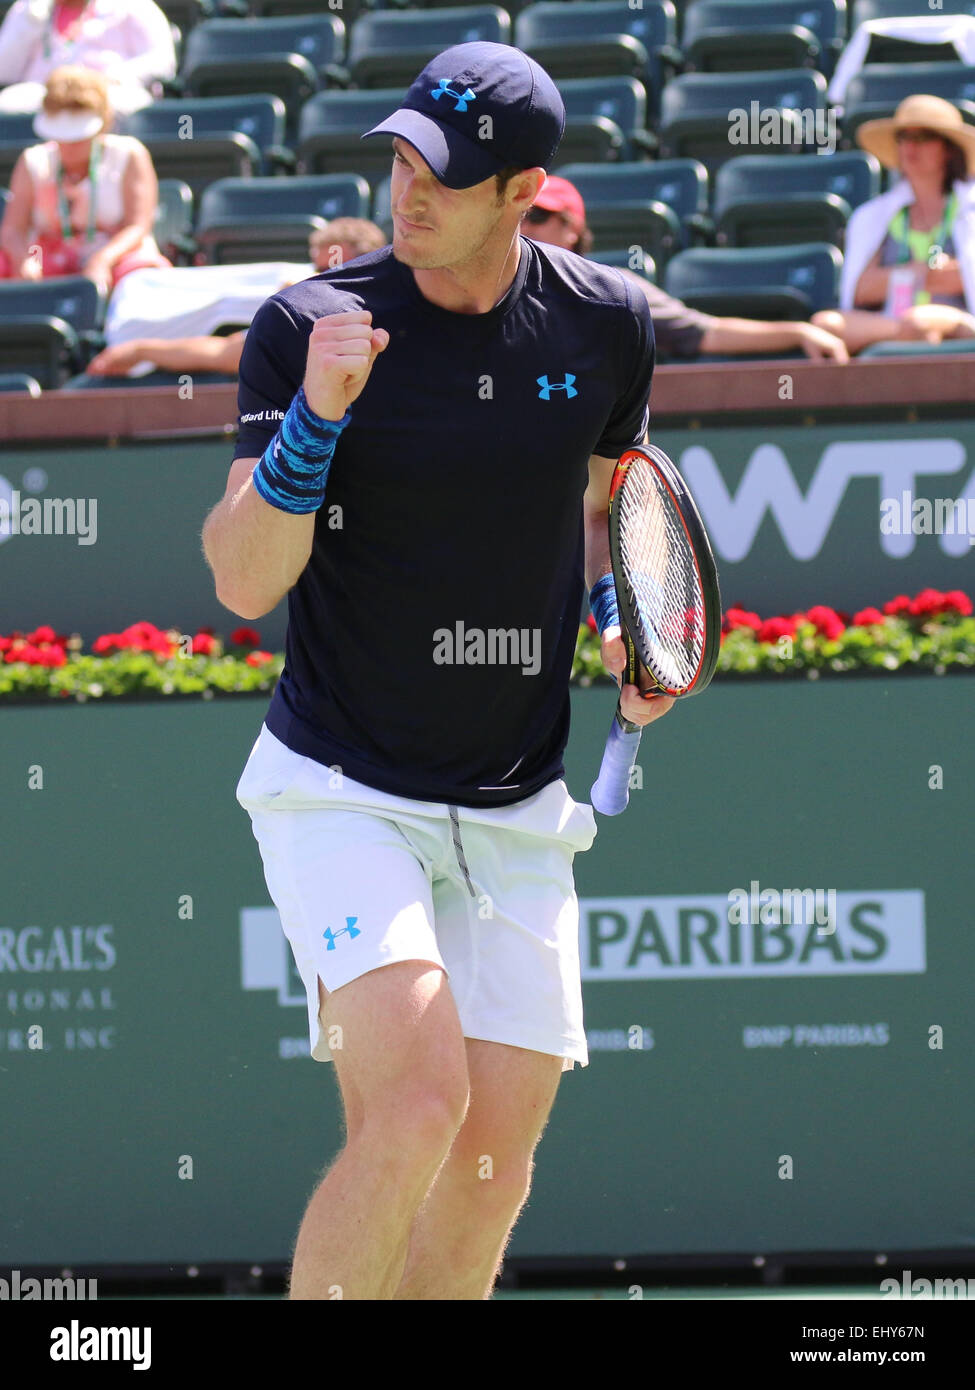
(341, 351)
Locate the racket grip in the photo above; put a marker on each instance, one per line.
(611, 789)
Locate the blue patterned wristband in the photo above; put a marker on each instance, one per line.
(602, 601)
(294, 469)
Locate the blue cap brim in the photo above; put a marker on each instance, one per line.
(456, 161)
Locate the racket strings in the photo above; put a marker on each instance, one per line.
(662, 578)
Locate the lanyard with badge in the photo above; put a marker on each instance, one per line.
(938, 237)
(903, 285)
(67, 231)
(69, 42)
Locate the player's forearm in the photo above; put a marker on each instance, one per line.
(256, 552)
(598, 560)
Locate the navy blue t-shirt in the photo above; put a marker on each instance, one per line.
(431, 634)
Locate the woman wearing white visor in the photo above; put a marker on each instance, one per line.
(84, 201)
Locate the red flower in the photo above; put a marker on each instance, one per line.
(14, 654)
(29, 653)
(740, 617)
(141, 636)
(898, 605)
(6, 643)
(109, 642)
(826, 621)
(41, 634)
(207, 631)
(246, 637)
(51, 656)
(591, 622)
(161, 645)
(955, 601)
(867, 617)
(774, 629)
(258, 658)
(203, 643)
(927, 603)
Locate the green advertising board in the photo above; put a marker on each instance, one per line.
(759, 1079)
(798, 515)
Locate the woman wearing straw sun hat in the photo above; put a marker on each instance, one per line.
(909, 261)
(82, 202)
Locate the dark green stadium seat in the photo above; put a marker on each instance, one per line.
(680, 184)
(382, 213)
(696, 112)
(602, 38)
(767, 282)
(247, 220)
(187, 13)
(918, 349)
(16, 131)
(389, 48)
(865, 10)
(892, 82)
(330, 131)
(200, 139)
(347, 10)
(887, 50)
(19, 381)
(173, 226)
(600, 110)
(289, 55)
(622, 209)
(624, 259)
(748, 35)
(48, 326)
(766, 200)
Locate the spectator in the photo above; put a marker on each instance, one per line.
(559, 217)
(909, 265)
(130, 41)
(84, 201)
(342, 240)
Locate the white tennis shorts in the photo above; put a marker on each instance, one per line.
(362, 878)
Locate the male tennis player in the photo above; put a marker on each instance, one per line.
(426, 440)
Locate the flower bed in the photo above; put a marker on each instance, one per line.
(932, 632)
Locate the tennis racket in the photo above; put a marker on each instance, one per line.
(668, 597)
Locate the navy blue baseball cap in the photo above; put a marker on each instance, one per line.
(443, 114)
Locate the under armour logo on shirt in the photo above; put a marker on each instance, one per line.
(547, 387)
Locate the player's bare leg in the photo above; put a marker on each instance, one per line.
(403, 1063)
(462, 1229)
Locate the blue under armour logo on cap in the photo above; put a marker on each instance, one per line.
(517, 117)
(444, 88)
(350, 929)
(545, 394)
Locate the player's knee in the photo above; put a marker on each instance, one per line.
(419, 1124)
(502, 1190)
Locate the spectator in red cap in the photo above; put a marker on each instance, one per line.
(561, 213)
(558, 216)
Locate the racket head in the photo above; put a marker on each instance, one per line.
(666, 579)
